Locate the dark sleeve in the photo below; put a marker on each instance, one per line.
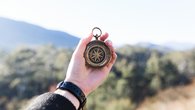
(51, 101)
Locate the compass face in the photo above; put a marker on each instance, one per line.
(97, 54)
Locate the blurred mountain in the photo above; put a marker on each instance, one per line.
(15, 33)
(167, 47)
(154, 46)
(179, 45)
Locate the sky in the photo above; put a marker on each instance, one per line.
(126, 21)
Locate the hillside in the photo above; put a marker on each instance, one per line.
(178, 98)
(14, 33)
(167, 47)
(137, 75)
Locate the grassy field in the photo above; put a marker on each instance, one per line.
(178, 98)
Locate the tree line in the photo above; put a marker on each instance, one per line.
(138, 73)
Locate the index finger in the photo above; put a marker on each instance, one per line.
(104, 36)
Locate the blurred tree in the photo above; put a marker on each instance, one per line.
(153, 72)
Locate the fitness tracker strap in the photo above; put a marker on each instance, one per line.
(75, 90)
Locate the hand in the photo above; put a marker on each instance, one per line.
(88, 78)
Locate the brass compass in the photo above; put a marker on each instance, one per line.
(97, 54)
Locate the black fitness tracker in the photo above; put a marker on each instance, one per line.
(75, 90)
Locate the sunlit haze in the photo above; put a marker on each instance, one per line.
(127, 21)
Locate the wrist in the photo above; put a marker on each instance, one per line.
(81, 85)
(69, 96)
(74, 90)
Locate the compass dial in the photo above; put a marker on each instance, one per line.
(97, 54)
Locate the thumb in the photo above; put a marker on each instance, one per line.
(82, 44)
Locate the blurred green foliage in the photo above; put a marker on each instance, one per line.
(138, 73)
